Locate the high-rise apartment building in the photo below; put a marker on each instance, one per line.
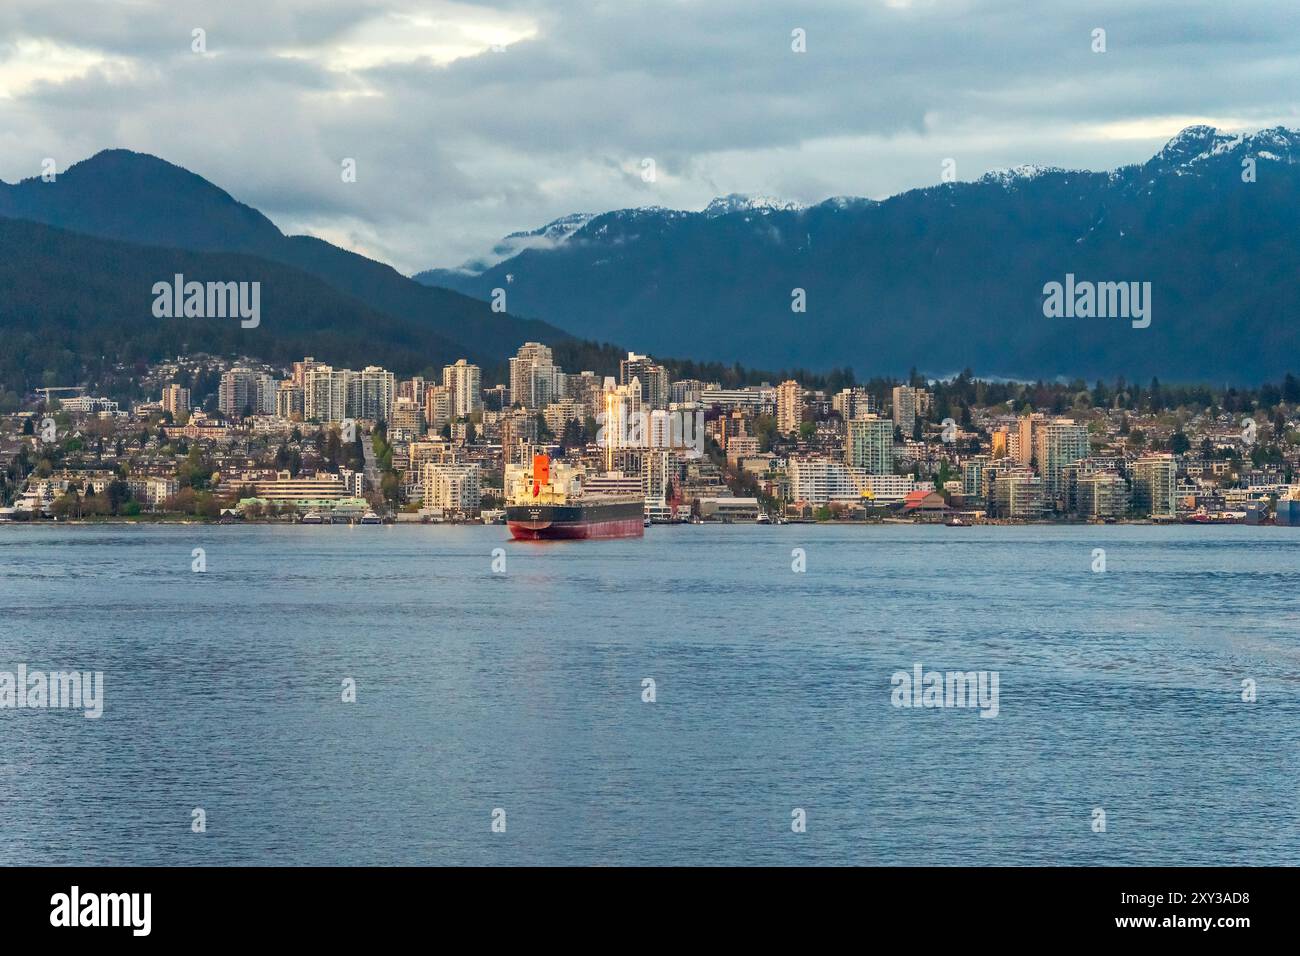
(870, 445)
(1023, 447)
(371, 393)
(1155, 488)
(452, 486)
(652, 376)
(854, 403)
(243, 390)
(1101, 495)
(1059, 443)
(464, 384)
(175, 399)
(1017, 494)
(325, 393)
(288, 400)
(535, 381)
(789, 407)
(909, 404)
(437, 408)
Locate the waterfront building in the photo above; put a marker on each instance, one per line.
(972, 476)
(887, 489)
(1101, 495)
(284, 487)
(1060, 443)
(452, 486)
(1155, 483)
(819, 481)
(1017, 495)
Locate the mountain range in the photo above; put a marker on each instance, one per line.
(948, 277)
(940, 279)
(79, 256)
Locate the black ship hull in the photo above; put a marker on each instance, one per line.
(623, 518)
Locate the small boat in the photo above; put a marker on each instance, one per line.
(312, 517)
(763, 518)
(956, 522)
(493, 516)
(371, 518)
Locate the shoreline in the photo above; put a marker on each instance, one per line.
(995, 523)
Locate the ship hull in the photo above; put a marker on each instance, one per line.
(621, 519)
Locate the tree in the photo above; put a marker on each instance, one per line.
(67, 505)
(117, 493)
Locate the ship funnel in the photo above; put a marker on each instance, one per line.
(541, 473)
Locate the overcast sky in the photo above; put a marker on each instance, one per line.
(457, 143)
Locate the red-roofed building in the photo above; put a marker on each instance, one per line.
(927, 505)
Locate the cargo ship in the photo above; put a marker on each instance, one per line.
(546, 501)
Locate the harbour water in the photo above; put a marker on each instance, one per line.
(1120, 691)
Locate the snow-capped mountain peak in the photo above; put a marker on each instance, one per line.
(1016, 174)
(738, 202)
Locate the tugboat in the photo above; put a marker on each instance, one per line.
(547, 502)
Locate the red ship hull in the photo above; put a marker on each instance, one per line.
(576, 522)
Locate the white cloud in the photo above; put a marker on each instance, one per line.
(437, 33)
(26, 62)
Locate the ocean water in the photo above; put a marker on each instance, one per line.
(1119, 692)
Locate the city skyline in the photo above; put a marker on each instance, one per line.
(300, 440)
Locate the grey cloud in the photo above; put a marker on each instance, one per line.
(454, 156)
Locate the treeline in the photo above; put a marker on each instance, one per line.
(965, 391)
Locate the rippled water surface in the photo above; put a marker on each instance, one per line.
(523, 691)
